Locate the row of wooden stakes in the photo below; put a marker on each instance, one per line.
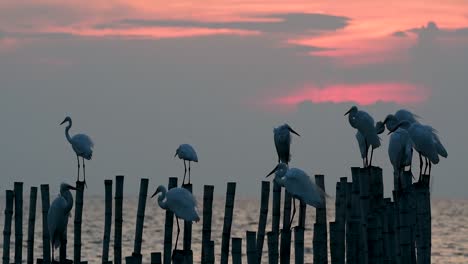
(367, 227)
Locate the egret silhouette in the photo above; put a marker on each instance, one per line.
(81, 144)
(179, 201)
(186, 152)
(57, 217)
(299, 185)
(282, 138)
(380, 128)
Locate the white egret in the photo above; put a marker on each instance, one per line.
(282, 137)
(57, 217)
(404, 114)
(299, 185)
(179, 201)
(364, 123)
(81, 144)
(186, 152)
(380, 128)
(425, 141)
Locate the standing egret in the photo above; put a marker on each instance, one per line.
(364, 123)
(186, 152)
(299, 185)
(57, 217)
(380, 128)
(425, 141)
(404, 114)
(282, 137)
(81, 144)
(179, 201)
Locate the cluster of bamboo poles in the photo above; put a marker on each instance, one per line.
(368, 228)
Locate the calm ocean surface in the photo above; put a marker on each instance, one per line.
(449, 229)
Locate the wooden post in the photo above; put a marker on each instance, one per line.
(340, 218)
(78, 217)
(319, 242)
(228, 212)
(262, 221)
(405, 229)
(168, 226)
(372, 239)
(364, 179)
(299, 245)
(276, 213)
(156, 258)
(209, 252)
(236, 250)
(140, 219)
(31, 224)
(45, 227)
(423, 200)
(285, 247)
(252, 255)
(187, 226)
(207, 215)
(334, 254)
(119, 183)
(353, 221)
(389, 253)
(272, 247)
(396, 222)
(7, 226)
(18, 188)
(107, 221)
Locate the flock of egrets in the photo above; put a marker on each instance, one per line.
(407, 133)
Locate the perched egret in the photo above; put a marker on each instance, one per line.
(364, 123)
(425, 141)
(380, 128)
(81, 144)
(404, 114)
(282, 137)
(400, 148)
(299, 185)
(57, 217)
(179, 201)
(186, 152)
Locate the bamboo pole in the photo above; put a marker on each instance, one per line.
(155, 258)
(364, 204)
(228, 212)
(78, 217)
(31, 224)
(187, 226)
(285, 247)
(353, 221)
(236, 250)
(210, 256)
(18, 188)
(299, 245)
(272, 247)
(404, 217)
(275, 220)
(252, 255)
(302, 214)
(334, 254)
(207, 215)
(140, 219)
(319, 242)
(340, 218)
(45, 229)
(396, 222)
(424, 219)
(107, 220)
(262, 221)
(7, 225)
(168, 226)
(119, 183)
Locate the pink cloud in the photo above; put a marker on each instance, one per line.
(363, 94)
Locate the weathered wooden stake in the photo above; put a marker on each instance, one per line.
(207, 215)
(252, 255)
(187, 226)
(262, 221)
(340, 219)
(404, 217)
(168, 226)
(319, 242)
(7, 226)
(18, 188)
(276, 213)
(119, 183)
(31, 224)
(236, 250)
(78, 216)
(424, 219)
(228, 212)
(272, 247)
(334, 251)
(140, 219)
(45, 228)
(156, 258)
(354, 220)
(364, 182)
(209, 252)
(299, 245)
(285, 247)
(107, 221)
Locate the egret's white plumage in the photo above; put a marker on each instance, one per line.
(57, 217)
(299, 185)
(179, 201)
(364, 123)
(81, 144)
(186, 152)
(282, 138)
(379, 128)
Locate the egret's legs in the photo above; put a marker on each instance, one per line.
(84, 173)
(178, 232)
(78, 177)
(53, 252)
(430, 166)
(185, 172)
(420, 165)
(426, 160)
(294, 212)
(367, 151)
(189, 171)
(371, 155)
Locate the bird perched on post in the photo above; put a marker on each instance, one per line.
(179, 201)
(299, 185)
(364, 123)
(380, 128)
(57, 217)
(81, 144)
(282, 137)
(186, 152)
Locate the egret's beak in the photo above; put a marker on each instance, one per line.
(273, 171)
(385, 121)
(71, 187)
(175, 154)
(65, 120)
(156, 192)
(292, 131)
(347, 112)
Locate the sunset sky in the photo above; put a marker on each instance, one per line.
(141, 77)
